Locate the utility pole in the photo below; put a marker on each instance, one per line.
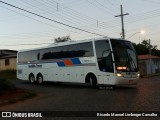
(122, 15)
(150, 54)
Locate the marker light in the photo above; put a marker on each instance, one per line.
(121, 68)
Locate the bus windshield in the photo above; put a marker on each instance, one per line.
(124, 55)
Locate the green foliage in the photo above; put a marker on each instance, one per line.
(62, 39)
(141, 49)
(144, 46)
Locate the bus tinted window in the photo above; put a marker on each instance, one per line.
(24, 57)
(104, 56)
(68, 51)
(35, 55)
(80, 50)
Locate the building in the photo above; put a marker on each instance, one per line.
(149, 64)
(8, 60)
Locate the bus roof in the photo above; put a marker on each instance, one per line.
(68, 43)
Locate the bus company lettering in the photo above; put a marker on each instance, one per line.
(35, 66)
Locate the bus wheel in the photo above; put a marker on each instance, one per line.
(39, 78)
(31, 79)
(93, 81)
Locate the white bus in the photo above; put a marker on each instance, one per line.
(104, 61)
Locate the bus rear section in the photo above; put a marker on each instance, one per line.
(63, 62)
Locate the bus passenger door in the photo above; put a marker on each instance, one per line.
(104, 61)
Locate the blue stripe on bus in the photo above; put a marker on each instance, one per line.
(61, 64)
(69, 62)
(76, 61)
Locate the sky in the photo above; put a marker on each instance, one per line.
(22, 30)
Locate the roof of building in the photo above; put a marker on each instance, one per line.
(8, 50)
(8, 56)
(146, 57)
(4, 53)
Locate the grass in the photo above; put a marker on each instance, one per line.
(13, 96)
(8, 74)
(5, 85)
(29, 94)
(8, 92)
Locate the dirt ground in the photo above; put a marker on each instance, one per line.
(12, 96)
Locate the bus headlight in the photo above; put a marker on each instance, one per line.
(138, 75)
(119, 75)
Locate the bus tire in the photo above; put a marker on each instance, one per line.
(39, 79)
(31, 78)
(93, 81)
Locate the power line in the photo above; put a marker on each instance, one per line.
(64, 13)
(75, 3)
(37, 20)
(100, 8)
(82, 19)
(60, 14)
(50, 19)
(151, 1)
(69, 12)
(27, 35)
(112, 26)
(112, 4)
(104, 6)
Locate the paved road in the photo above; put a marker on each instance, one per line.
(68, 97)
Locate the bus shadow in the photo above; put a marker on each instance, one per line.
(81, 85)
(65, 85)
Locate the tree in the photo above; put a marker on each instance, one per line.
(144, 46)
(141, 49)
(147, 45)
(62, 39)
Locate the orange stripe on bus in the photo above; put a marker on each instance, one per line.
(68, 63)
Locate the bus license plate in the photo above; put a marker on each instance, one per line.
(130, 81)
